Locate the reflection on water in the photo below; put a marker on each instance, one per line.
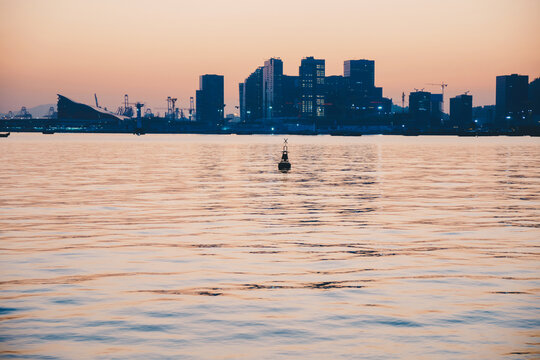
(118, 246)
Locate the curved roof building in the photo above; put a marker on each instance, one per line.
(69, 109)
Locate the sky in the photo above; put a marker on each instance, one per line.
(151, 49)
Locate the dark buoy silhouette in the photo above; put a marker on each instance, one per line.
(284, 165)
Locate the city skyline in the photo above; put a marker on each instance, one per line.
(154, 51)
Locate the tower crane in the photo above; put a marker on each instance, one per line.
(443, 85)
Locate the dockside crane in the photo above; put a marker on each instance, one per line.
(190, 110)
(127, 110)
(173, 110)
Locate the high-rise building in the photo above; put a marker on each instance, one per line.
(312, 74)
(251, 101)
(241, 98)
(365, 103)
(534, 100)
(461, 112)
(210, 100)
(436, 110)
(484, 116)
(420, 109)
(336, 97)
(291, 96)
(272, 88)
(361, 74)
(512, 99)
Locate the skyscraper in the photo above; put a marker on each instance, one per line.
(291, 96)
(336, 100)
(251, 101)
(210, 100)
(461, 112)
(436, 110)
(420, 109)
(364, 101)
(272, 88)
(534, 100)
(241, 96)
(312, 74)
(361, 74)
(511, 99)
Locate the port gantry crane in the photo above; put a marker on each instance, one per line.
(127, 110)
(176, 113)
(190, 110)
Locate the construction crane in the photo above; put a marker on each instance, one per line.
(443, 85)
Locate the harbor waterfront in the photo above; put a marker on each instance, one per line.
(197, 246)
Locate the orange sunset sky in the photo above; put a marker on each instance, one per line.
(158, 48)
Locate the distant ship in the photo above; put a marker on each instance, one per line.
(346, 133)
(284, 165)
(5, 134)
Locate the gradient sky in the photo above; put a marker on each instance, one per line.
(157, 48)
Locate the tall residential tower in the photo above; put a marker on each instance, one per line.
(272, 88)
(312, 90)
(512, 99)
(210, 100)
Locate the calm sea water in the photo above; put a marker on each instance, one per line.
(196, 247)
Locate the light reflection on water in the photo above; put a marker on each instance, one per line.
(190, 246)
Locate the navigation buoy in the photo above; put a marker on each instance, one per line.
(284, 165)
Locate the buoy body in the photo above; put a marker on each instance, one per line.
(284, 165)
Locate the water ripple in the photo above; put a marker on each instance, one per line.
(192, 247)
